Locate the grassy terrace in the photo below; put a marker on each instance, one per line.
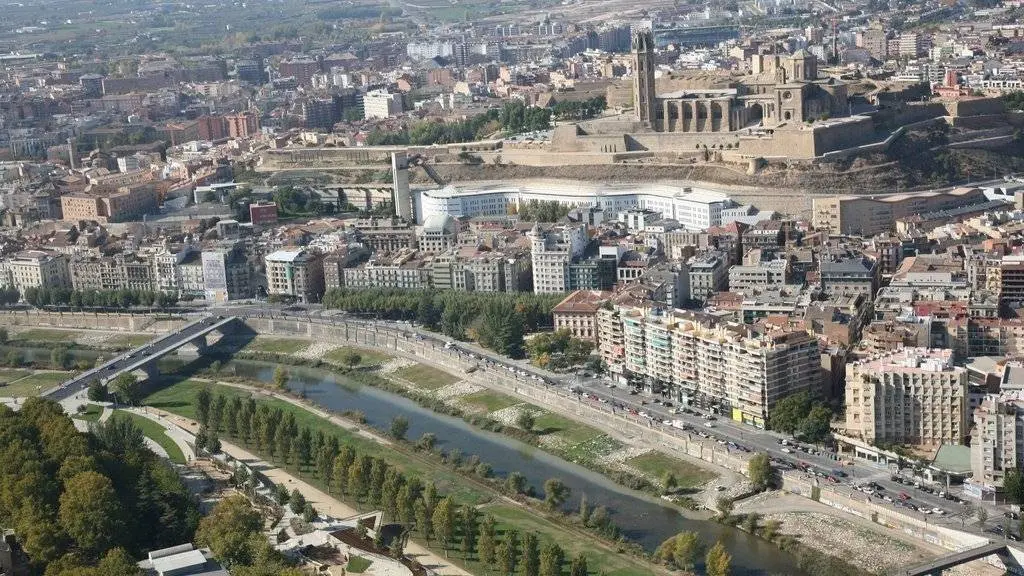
(29, 384)
(277, 345)
(486, 401)
(92, 413)
(367, 357)
(156, 433)
(426, 377)
(656, 464)
(179, 398)
(45, 335)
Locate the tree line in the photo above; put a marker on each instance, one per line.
(86, 504)
(124, 298)
(542, 211)
(372, 481)
(579, 109)
(497, 320)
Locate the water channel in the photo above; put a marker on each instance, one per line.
(640, 517)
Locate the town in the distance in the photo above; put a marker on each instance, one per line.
(482, 288)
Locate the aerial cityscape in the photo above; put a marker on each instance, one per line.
(484, 288)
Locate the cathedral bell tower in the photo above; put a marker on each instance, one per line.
(643, 77)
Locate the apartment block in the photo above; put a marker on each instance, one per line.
(849, 276)
(740, 370)
(552, 251)
(910, 396)
(35, 269)
(997, 441)
(709, 273)
(298, 273)
(578, 313)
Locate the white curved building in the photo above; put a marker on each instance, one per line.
(694, 208)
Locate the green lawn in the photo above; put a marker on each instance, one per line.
(46, 335)
(570, 431)
(127, 341)
(277, 345)
(156, 433)
(92, 413)
(33, 384)
(599, 560)
(426, 377)
(357, 565)
(179, 399)
(656, 464)
(488, 401)
(589, 452)
(367, 357)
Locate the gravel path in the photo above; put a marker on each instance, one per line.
(316, 350)
(456, 390)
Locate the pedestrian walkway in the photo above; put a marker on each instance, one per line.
(184, 439)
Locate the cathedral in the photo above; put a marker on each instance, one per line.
(779, 90)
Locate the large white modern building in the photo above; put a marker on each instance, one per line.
(693, 208)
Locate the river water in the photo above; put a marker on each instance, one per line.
(641, 518)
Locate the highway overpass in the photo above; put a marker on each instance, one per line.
(144, 357)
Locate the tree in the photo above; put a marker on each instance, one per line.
(60, 358)
(351, 358)
(356, 481)
(399, 427)
(789, 412)
(750, 522)
(127, 389)
(13, 358)
(555, 493)
(97, 391)
(724, 506)
(717, 561)
(280, 376)
(529, 562)
(487, 547)
(669, 482)
(525, 420)
(964, 513)
(90, 512)
(228, 530)
(816, 426)
(423, 520)
(551, 559)
(759, 468)
(501, 329)
(297, 502)
(1013, 485)
(203, 401)
(579, 565)
(444, 521)
(507, 552)
(282, 495)
(4, 336)
(982, 514)
(470, 528)
(213, 444)
(515, 483)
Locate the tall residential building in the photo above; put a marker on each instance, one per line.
(698, 359)
(997, 442)
(850, 276)
(298, 273)
(226, 272)
(551, 252)
(381, 104)
(106, 205)
(875, 41)
(909, 396)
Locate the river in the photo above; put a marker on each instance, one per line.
(641, 518)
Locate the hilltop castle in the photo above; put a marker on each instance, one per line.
(781, 89)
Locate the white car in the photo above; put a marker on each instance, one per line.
(784, 449)
(938, 511)
(709, 424)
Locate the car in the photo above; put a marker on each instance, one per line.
(667, 404)
(1013, 536)
(673, 411)
(784, 449)
(924, 510)
(709, 425)
(887, 498)
(938, 511)
(904, 496)
(1012, 515)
